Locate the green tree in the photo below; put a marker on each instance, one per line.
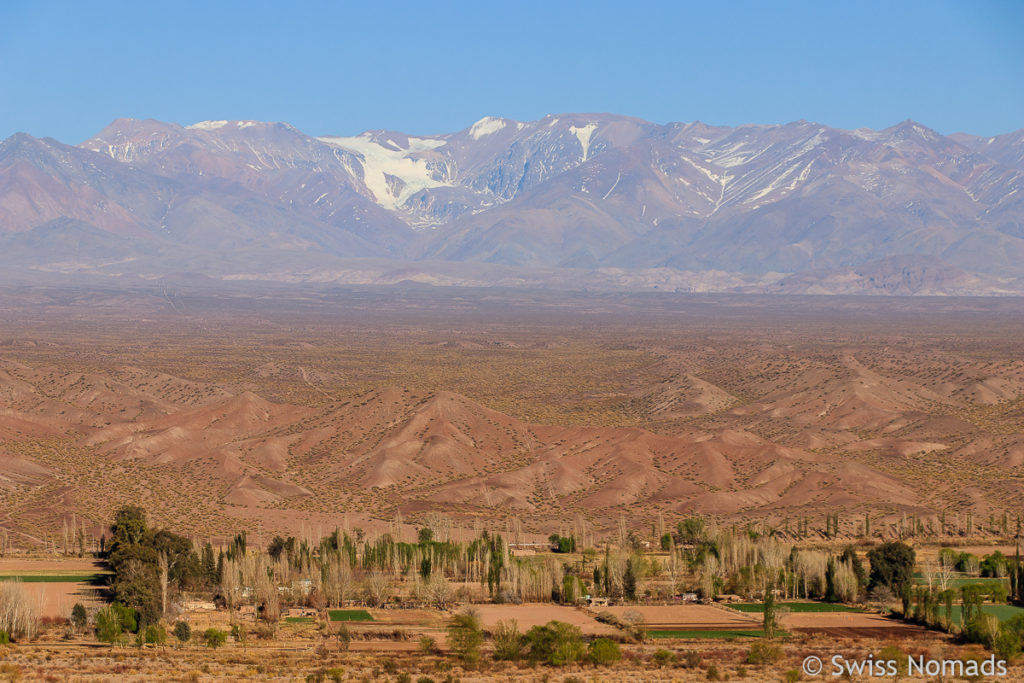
(155, 634)
(892, 565)
(465, 636)
(214, 637)
(629, 581)
(182, 631)
(79, 618)
(108, 625)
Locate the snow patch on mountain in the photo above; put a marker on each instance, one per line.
(207, 125)
(383, 164)
(583, 135)
(486, 126)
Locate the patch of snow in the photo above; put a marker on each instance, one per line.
(614, 185)
(702, 141)
(486, 126)
(247, 124)
(722, 180)
(990, 141)
(207, 125)
(583, 135)
(379, 161)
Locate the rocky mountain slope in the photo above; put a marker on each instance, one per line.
(588, 192)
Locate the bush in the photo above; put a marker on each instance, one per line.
(428, 645)
(108, 625)
(1006, 644)
(465, 636)
(692, 659)
(336, 674)
(556, 643)
(663, 657)
(792, 676)
(79, 618)
(155, 634)
(182, 631)
(508, 641)
(764, 653)
(344, 637)
(713, 673)
(603, 651)
(214, 637)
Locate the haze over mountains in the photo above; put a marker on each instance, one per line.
(571, 200)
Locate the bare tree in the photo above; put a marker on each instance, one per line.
(19, 611)
(378, 587)
(162, 564)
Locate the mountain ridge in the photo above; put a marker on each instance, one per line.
(573, 192)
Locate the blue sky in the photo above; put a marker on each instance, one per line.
(68, 68)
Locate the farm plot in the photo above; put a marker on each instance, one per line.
(689, 618)
(758, 607)
(847, 624)
(527, 616)
(56, 585)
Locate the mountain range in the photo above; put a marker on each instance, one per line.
(574, 200)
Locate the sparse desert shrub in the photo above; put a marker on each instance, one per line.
(428, 645)
(344, 637)
(764, 653)
(792, 676)
(390, 666)
(336, 674)
(713, 674)
(663, 657)
(403, 678)
(692, 659)
(424, 679)
(214, 637)
(508, 641)
(12, 672)
(603, 651)
(891, 652)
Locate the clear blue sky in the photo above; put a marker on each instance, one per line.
(69, 68)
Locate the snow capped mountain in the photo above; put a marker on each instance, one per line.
(568, 191)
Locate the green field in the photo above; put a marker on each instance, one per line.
(706, 634)
(796, 607)
(55, 578)
(349, 615)
(966, 581)
(1004, 612)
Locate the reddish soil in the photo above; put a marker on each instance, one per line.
(849, 624)
(13, 565)
(530, 615)
(690, 617)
